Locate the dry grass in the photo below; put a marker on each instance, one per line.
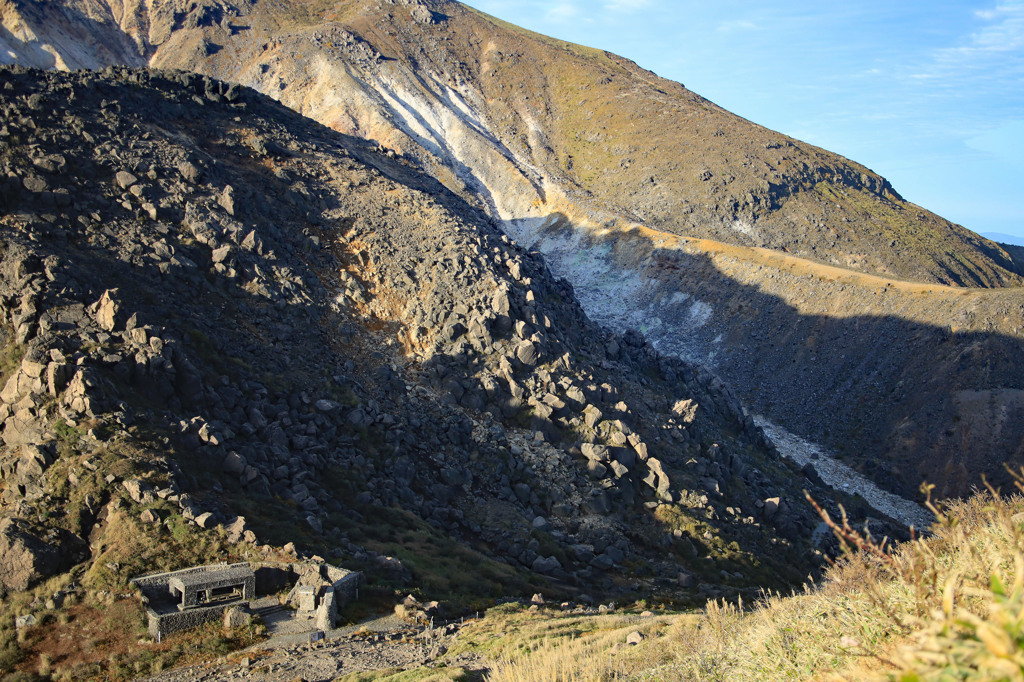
(584, 648)
(92, 627)
(948, 607)
(418, 675)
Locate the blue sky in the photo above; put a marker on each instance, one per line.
(928, 94)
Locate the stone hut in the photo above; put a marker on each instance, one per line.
(228, 585)
(185, 599)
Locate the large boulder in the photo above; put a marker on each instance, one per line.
(595, 452)
(107, 311)
(527, 353)
(25, 558)
(237, 617)
(546, 565)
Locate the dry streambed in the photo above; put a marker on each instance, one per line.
(842, 477)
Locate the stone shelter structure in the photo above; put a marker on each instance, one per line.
(236, 583)
(181, 600)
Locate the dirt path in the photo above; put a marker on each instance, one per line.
(842, 477)
(376, 644)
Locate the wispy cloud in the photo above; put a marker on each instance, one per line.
(736, 25)
(999, 42)
(561, 12)
(626, 5)
(1006, 31)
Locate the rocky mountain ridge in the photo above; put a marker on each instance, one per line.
(230, 330)
(600, 164)
(528, 124)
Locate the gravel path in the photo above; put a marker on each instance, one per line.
(376, 644)
(842, 477)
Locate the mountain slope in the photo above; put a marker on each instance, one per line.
(545, 122)
(576, 151)
(227, 329)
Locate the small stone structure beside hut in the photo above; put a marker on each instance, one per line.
(181, 600)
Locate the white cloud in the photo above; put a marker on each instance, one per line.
(562, 12)
(980, 72)
(736, 25)
(626, 5)
(1003, 33)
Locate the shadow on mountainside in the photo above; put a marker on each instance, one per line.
(906, 401)
(905, 398)
(899, 398)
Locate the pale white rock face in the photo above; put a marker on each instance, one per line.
(447, 126)
(842, 477)
(621, 285)
(419, 113)
(746, 228)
